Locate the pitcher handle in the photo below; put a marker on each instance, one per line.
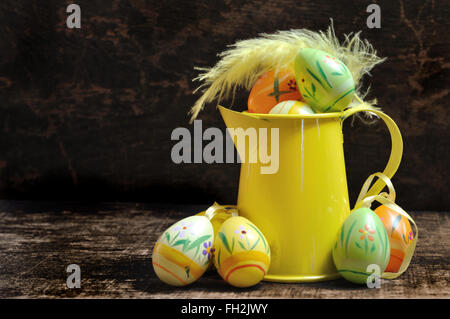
(396, 148)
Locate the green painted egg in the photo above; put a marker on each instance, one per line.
(362, 241)
(325, 82)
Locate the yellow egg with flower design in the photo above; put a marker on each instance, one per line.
(184, 251)
(242, 253)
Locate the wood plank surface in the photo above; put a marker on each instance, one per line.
(112, 243)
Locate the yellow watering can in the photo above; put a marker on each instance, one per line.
(301, 205)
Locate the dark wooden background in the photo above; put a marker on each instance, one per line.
(87, 114)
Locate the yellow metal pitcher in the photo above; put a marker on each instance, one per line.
(301, 207)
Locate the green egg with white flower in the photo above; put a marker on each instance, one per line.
(324, 81)
(362, 245)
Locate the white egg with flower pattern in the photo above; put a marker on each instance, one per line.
(183, 252)
(291, 107)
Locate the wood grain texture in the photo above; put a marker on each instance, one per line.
(88, 113)
(112, 243)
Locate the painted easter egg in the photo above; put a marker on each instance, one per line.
(399, 233)
(291, 107)
(242, 255)
(270, 89)
(362, 241)
(183, 252)
(325, 82)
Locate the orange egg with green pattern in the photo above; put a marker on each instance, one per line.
(272, 88)
(184, 251)
(242, 253)
(400, 235)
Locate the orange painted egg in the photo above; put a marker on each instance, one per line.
(291, 107)
(242, 253)
(271, 89)
(399, 233)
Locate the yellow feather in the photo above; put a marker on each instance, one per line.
(246, 60)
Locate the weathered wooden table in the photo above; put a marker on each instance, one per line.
(112, 243)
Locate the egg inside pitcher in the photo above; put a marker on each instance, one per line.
(318, 82)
